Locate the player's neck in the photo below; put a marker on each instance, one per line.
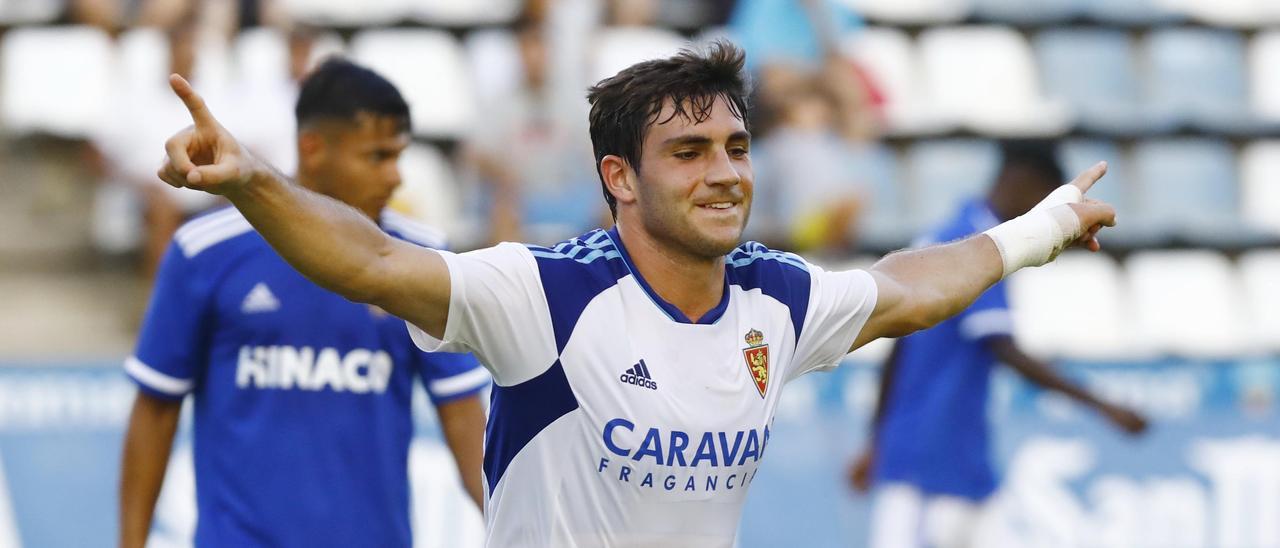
(692, 284)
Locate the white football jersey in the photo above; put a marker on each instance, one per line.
(615, 420)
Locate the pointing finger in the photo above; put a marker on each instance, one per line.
(195, 104)
(1090, 176)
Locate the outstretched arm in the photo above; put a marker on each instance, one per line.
(919, 288)
(1044, 376)
(329, 242)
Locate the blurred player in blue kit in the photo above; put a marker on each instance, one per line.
(301, 397)
(928, 457)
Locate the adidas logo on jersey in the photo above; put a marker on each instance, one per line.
(259, 299)
(639, 376)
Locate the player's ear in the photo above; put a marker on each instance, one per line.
(619, 178)
(311, 149)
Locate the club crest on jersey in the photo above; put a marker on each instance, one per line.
(757, 356)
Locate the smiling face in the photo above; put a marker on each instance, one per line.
(694, 184)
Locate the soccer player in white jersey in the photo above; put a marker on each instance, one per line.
(638, 369)
(302, 399)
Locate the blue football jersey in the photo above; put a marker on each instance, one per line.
(933, 433)
(301, 398)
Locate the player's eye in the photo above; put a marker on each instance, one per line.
(686, 154)
(738, 152)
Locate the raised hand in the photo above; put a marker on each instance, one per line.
(1094, 214)
(204, 156)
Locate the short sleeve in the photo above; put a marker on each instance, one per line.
(448, 376)
(498, 310)
(172, 346)
(839, 305)
(988, 316)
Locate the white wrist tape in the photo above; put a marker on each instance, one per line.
(1039, 235)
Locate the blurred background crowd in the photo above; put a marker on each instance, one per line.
(872, 121)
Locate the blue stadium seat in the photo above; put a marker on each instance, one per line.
(1129, 12)
(1095, 72)
(945, 172)
(1197, 78)
(1188, 187)
(1023, 12)
(886, 223)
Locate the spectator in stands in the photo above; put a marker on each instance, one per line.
(143, 116)
(532, 157)
(810, 172)
(789, 41)
(928, 452)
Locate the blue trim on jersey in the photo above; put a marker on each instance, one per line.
(520, 412)
(569, 285)
(780, 275)
(676, 315)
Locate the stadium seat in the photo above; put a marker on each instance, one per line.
(1130, 12)
(943, 173)
(912, 12)
(429, 191)
(1023, 12)
(1095, 72)
(1075, 308)
(47, 74)
(986, 77)
(1232, 13)
(1187, 187)
(27, 12)
(143, 58)
(889, 57)
(1197, 77)
(343, 13)
(261, 54)
(430, 69)
(616, 48)
(493, 57)
(1188, 303)
(886, 222)
(1260, 186)
(1264, 70)
(1260, 272)
(452, 13)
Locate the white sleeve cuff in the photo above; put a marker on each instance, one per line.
(155, 380)
(995, 321)
(460, 383)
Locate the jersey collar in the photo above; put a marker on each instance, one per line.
(711, 317)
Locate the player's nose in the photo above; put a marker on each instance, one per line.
(722, 171)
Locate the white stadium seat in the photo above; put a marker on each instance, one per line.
(494, 59)
(1260, 185)
(430, 69)
(912, 11)
(142, 55)
(261, 54)
(617, 48)
(26, 12)
(985, 76)
(889, 56)
(47, 75)
(1231, 13)
(468, 13)
(429, 191)
(1260, 271)
(1264, 70)
(347, 13)
(1188, 303)
(1074, 307)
